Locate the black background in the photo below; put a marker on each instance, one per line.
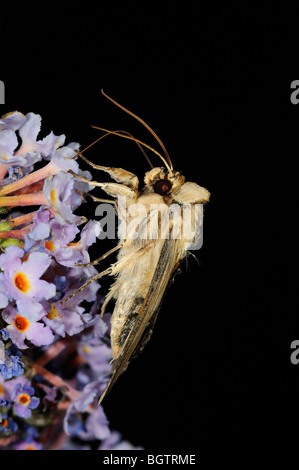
(214, 83)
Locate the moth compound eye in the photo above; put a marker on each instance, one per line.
(162, 186)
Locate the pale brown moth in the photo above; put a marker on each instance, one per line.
(145, 265)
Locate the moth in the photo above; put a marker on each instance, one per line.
(145, 264)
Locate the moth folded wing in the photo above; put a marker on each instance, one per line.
(138, 336)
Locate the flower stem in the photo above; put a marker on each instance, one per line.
(37, 175)
(17, 234)
(34, 199)
(22, 219)
(53, 351)
(57, 381)
(3, 170)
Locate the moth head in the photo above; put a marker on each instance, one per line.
(162, 181)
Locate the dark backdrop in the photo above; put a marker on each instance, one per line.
(214, 83)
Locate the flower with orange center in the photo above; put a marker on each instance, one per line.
(23, 327)
(7, 425)
(20, 279)
(33, 445)
(24, 400)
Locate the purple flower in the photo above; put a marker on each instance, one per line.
(25, 445)
(60, 238)
(34, 280)
(7, 425)
(8, 144)
(12, 121)
(62, 319)
(21, 281)
(40, 231)
(29, 132)
(115, 442)
(97, 355)
(95, 424)
(28, 327)
(24, 401)
(63, 197)
(62, 158)
(76, 277)
(11, 365)
(67, 253)
(50, 392)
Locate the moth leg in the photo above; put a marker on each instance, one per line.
(118, 174)
(99, 199)
(106, 302)
(113, 189)
(92, 279)
(96, 261)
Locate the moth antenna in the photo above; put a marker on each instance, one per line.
(144, 124)
(140, 147)
(79, 154)
(135, 140)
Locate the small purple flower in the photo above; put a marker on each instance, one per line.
(28, 327)
(64, 319)
(40, 231)
(4, 334)
(29, 132)
(7, 425)
(75, 278)
(89, 394)
(8, 144)
(21, 281)
(63, 197)
(63, 160)
(60, 238)
(67, 253)
(95, 425)
(12, 121)
(8, 153)
(11, 365)
(50, 392)
(97, 355)
(24, 401)
(115, 442)
(25, 445)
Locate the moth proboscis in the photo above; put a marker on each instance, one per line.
(145, 264)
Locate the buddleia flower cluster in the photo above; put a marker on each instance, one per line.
(54, 356)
